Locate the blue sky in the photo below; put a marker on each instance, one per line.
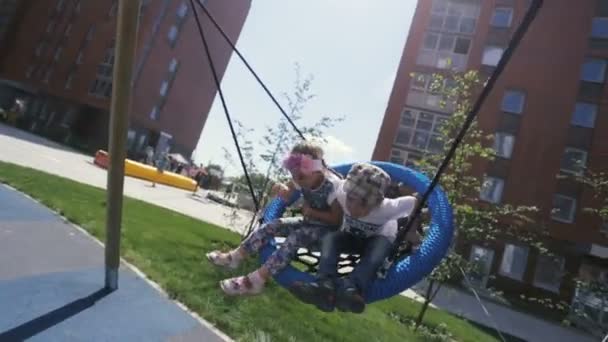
(352, 48)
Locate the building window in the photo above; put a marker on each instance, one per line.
(590, 307)
(599, 28)
(173, 65)
(58, 52)
(143, 7)
(80, 57)
(174, 31)
(514, 261)
(502, 17)
(172, 35)
(164, 87)
(420, 130)
(412, 159)
(549, 272)
(480, 260)
(105, 70)
(426, 94)
(459, 17)
(491, 189)
(604, 228)
(492, 55)
(90, 33)
(30, 71)
(182, 10)
(47, 75)
(69, 79)
(68, 30)
(444, 51)
(102, 86)
(113, 9)
(584, 114)
(513, 101)
(398, 156)
(462, 46)
(574, 161)
(50, 26)
(59, 5)
(503, 145)
(564, 208)
(131, 134)
(154, 113)
(39, 49)
(594, 70)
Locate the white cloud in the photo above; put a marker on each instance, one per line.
(336, 150)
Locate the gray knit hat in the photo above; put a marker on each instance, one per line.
(367, 182)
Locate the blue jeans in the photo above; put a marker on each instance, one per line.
(373, 251)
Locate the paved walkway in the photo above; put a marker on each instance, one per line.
(25, 149)
(51, 286)
(518, 324)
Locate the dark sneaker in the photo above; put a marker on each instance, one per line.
(349, 299)
(320, 294)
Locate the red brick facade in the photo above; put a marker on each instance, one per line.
(57, 52)
(547, 69)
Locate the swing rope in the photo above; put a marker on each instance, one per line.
(471, 116)
(515, 41)
(268, 92)
(244, 60)
(225, 107)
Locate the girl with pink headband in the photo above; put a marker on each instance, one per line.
(321, 214)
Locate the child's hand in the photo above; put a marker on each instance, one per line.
(307, 211)
(280, 190)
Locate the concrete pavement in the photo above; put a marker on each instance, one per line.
(51, 286)
(25, 149)
(515, 323)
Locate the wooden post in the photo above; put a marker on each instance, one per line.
(126, 40)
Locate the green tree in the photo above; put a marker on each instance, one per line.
(475, 220)
(591, 287)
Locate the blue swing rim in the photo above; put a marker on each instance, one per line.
(405, 272)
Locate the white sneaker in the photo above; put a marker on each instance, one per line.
(223, 259)
(241, 286)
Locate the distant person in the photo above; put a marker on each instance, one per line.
(161, 165)
(149, 158)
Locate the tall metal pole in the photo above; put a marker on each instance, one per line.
(126, 40)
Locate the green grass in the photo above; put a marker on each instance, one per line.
(169, 248)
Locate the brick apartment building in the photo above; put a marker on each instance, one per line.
(58, 55)
(548, 112)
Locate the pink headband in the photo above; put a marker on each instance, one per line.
(302, 162)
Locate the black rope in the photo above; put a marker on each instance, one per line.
(238, 53)
(262, 192)
(219, 90)
(517, 38)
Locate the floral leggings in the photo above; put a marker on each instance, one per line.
(300, 234)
